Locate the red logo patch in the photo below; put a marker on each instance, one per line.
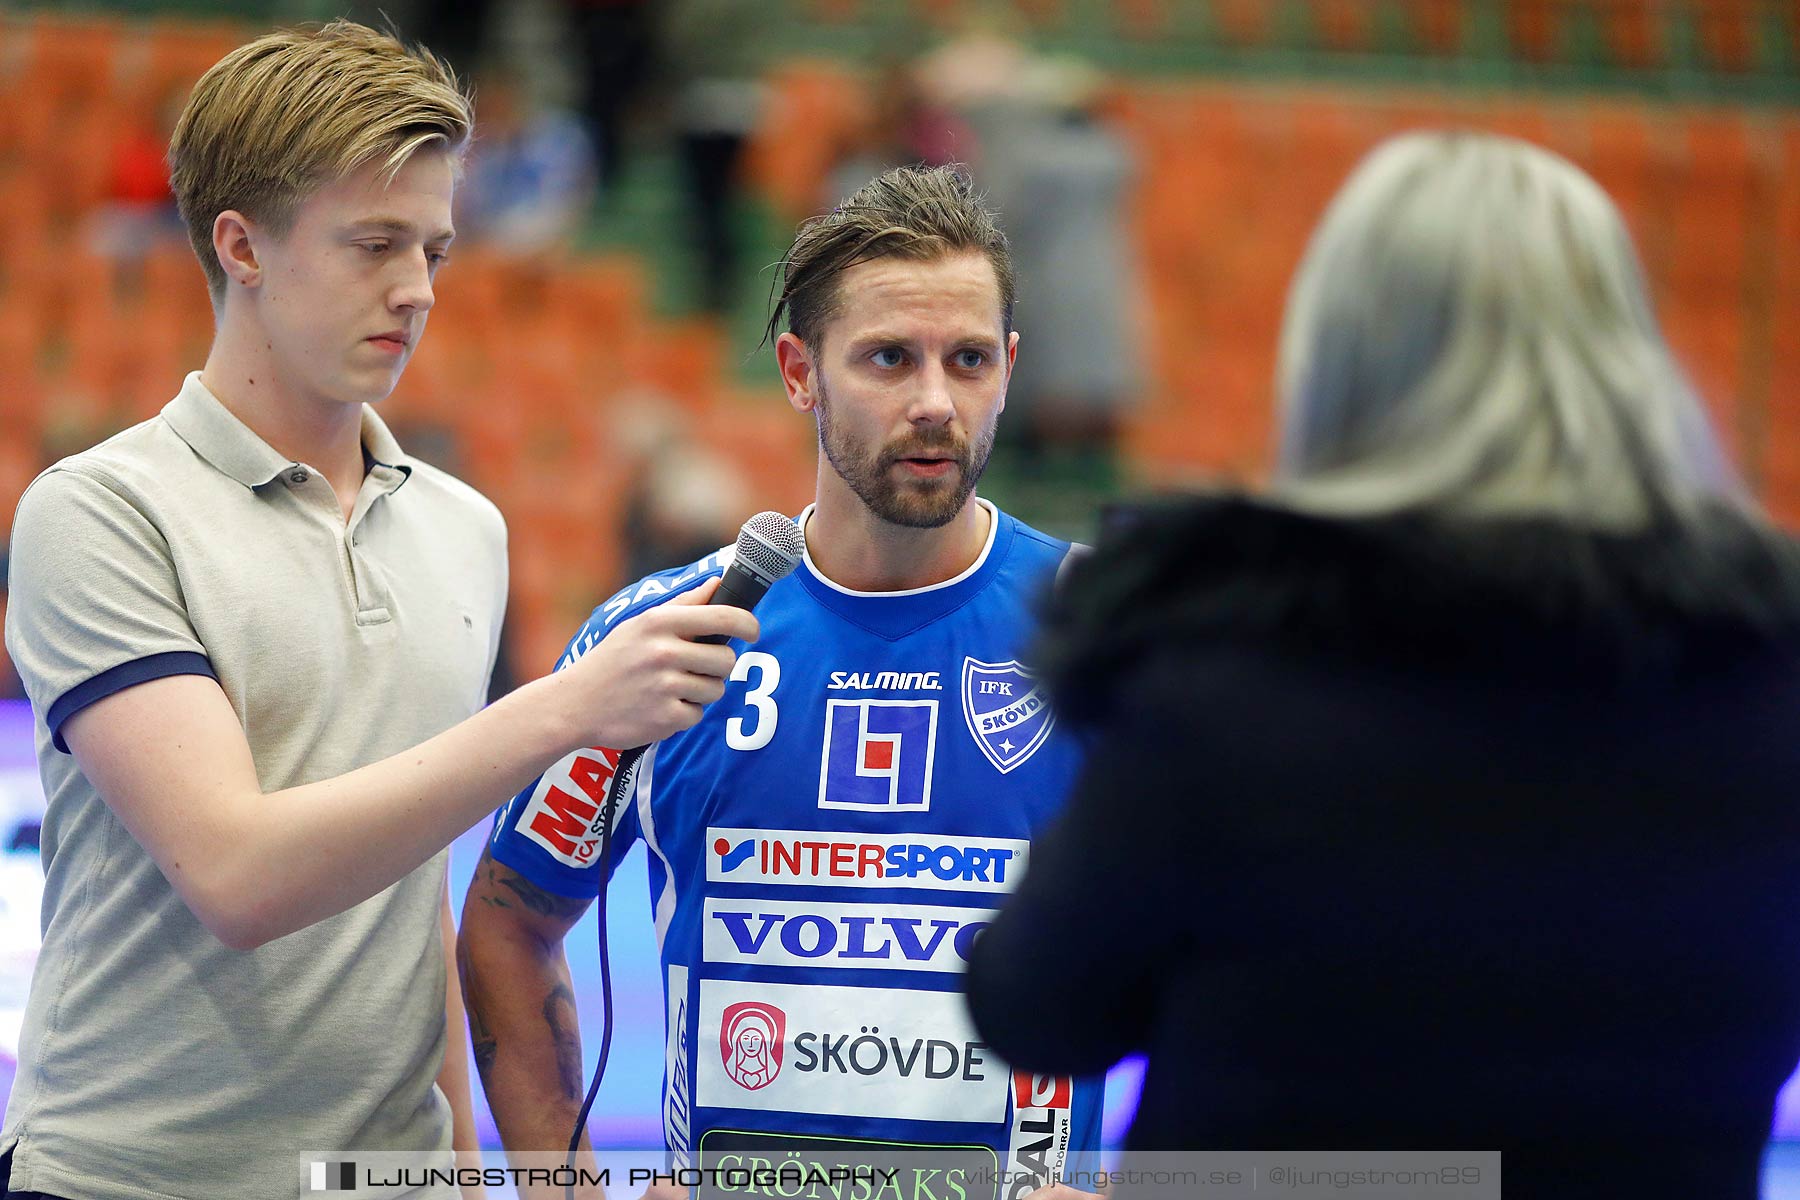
(1041, 1091)
(752, 1038)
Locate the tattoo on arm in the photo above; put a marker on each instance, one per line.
(493, 882)
(545, 904)
(483, 1039)
(565, 1032)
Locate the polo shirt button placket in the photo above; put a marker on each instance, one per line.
(298, 476)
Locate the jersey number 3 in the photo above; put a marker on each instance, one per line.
(761, 698)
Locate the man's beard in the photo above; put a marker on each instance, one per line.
(915, 503)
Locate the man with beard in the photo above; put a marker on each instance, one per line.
(827, 842)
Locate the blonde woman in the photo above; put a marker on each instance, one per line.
(1443, 798)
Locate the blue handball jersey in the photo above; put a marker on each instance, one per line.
(824, 846)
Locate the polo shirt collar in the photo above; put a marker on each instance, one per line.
(206, 425)
(387, 462)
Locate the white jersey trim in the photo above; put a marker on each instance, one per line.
(665, 903)
(987, 546)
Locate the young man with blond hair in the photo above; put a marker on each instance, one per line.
(828, 841)
(258, 638)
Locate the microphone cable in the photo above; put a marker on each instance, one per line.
(624, 779)
(769, 546)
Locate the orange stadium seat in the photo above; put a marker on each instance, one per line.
(1042, 14)
(179, 51)
(1634, 31)
(537, 630)
(492, 435)
(1787, 206)
(160, 344)
(1437, 25)
(79, 162)
(1243, 22)
(835, 12)
(1784, 161)
(547, 378)
(72, 57)
(528, 367)
(601, 302)
(1521, 118)
(16, 100)
(1534, 28)
(25, 220)
(22, 336)
(1780, 460)
(1727, 33)
(1784, 377)
(1198, 172)
(773, 446)
(33, 118)
(813, 113)
(1405, 111)
(1142, 18)
(1707, 338)
(939, 14)
(173, 280)
(1329, 135)
(1710, 219)
(683, 360)
(1343, 25)
(1618, 148)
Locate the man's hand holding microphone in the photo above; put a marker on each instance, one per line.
(654, 675)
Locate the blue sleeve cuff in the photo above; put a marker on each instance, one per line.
(138, 670)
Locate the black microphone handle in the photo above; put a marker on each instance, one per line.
(738, 588)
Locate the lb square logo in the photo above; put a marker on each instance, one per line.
(878, 754)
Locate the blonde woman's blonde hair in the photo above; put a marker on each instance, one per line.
(1470, 331)
(281, 116)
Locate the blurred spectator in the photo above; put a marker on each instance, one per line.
(618, 40)
(1443, 799)
(984, 61)
(529, 185)
(1060, 176)
(614, 44)
(138, 211)
(682, 499)
(713, 51)
(902, 128)
(458, 31)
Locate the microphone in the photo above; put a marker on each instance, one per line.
(769, 546)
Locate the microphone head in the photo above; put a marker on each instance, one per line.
(769, 546)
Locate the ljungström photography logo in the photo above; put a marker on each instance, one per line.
(333, 1176)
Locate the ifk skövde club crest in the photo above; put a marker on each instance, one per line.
(1008, 715)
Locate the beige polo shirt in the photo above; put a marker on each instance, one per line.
(154, 1061)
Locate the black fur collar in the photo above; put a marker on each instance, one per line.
(1491, 598)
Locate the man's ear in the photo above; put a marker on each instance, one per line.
(234, 243)
(1012, 358)
(799, 374)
